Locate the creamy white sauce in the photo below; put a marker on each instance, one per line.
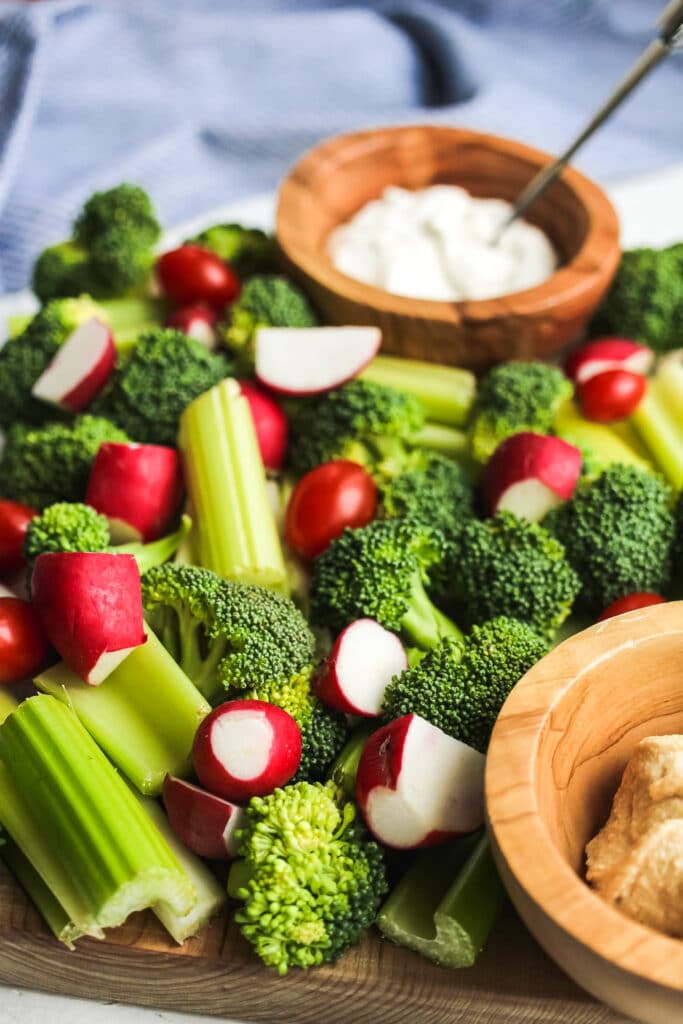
(435, 244)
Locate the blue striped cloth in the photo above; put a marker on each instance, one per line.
(205, 102)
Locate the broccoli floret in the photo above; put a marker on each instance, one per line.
(65, 526)
(266, 300)
(44, 465)
(509, 566)
(513, 397)
(249, 251)
(311, 879)
(618, 532)
(379, 572)
(645, 301)
(678, 542)
(368, 423)
(62, 270)
(323, 735)
(148, 393)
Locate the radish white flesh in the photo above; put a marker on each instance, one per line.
(90, 605)
(417, 786)
(205, 823)
(80, 368)
(310, 360)
(246, 748)
(197, 322)
(608, 354)
(138, 488)
(358, 669)
(529, 474)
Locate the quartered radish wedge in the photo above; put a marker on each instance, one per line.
(358, 669)
(310, 360)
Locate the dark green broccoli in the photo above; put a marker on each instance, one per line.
(266, 300)
(645, 301)
(43, 465)
(310, 879)
(365, 422)
(379, 572)
(249, 251)
(513, 397)
(148, 393)
(461, 687)
(618, 532)
(509, 566)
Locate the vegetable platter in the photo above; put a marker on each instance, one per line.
(78, 552)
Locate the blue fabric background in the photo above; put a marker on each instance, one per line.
(205, 101)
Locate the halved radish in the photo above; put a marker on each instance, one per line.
(80, 369)
(310, 360)
(138, 487)
(608, 354)
(204, 822)
(270, 424)
(529, 474)
(90, 605)
(198, 322)
(246, 748)
(358, 669)
(417, 786)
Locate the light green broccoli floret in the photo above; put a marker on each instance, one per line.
(266, 300)
(249, 251)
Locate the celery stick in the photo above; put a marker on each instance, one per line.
(670, 378)
(661, 432)
(446, 392)
(144, 715)
(56, 917)
(596, 440)
(439, 438)
(236, 533)
(7, 704)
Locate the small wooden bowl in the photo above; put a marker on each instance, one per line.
(555, 761)
(333, 181)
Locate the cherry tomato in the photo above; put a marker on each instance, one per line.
(23, 646)
(611, 396)
(629, 603)
(324, 502)
(191, 274)
(14, 519)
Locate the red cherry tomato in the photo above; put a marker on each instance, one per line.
(14, 519)
(611, 396)
(23, 646)
(324, 502)
(191, 274)
(629, 603)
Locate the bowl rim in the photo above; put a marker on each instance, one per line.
(566, 284)
(546, 878)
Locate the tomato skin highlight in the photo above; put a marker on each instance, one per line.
(190, 275)
(611, 396)
(324, 502)
(629, 603)
(14, 518)
(23, 644)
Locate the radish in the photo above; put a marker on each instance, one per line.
(417, 786)
(309, 360)
(205, 823)
(529, 474)
(246, 748)
(90, 605)
(198, 322)
(608, 354)
(358, 669)
(138, 487)
(80, 369)
(270, 424)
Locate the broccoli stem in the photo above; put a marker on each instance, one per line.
(447, 902)
(659, 427)
(440, 438)
(157, 551)
(423, 623)
(345, 768)
(446, 392)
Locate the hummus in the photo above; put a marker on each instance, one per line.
(636, 861)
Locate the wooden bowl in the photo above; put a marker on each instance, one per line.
(333, 181)
(555, 761)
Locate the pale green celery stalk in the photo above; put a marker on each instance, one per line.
(660, 430)
(670, 377)
(595, 439)
(235, 527)
(77, 822)
(8, 704)
(440, 438)
(446, 392)
(144, 715)
(54, 914)
(447, 902)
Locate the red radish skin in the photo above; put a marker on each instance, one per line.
(270, 424)
(198, 322)
(90, 605)
(307, 361)
(246, 748)
(417, 787)
(611, 396)
(355, 674)
(608, 354)
(14, 520)
(529, 474)
(80, 369)
(138, 487)
(629, 603)
(204, 822)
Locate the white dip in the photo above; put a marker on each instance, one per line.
(434, 244)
